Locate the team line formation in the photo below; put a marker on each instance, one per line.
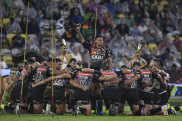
(55, 85)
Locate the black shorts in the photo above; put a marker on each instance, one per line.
(16, 93)
(81, 95)
(37, 93)
(129, 95)
(148, 97)
(59, 94)
(111, 93)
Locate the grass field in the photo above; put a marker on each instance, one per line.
(69, 117)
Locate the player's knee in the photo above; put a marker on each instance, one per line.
(59, 112)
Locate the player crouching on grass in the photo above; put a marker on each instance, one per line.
(109, 90)
(80, 80)
(146, 91)
(9, 84)
(162, 91)
(129, 88)
(85, 80)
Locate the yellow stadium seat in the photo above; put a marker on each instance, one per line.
(9, 37)
(8, 60)
(163, 3)
(180, 55)
(151, 47)
(85, 1)
(171, 38)
(180, 38)
(24, 36)
(6, 21)
(121, 16)
(136, 1)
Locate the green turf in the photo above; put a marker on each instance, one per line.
(68, 117)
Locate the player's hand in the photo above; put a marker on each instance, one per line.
(67, 71)
(33, 85)
(78, 27)
(14, 79)
(85, 88)
(106, 83)
(148, 89)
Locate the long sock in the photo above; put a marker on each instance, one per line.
(155, 110)
(45, 102)
(8, 108)
(137, 113)
(107, 104)
(177, 108)
(82, 110)
(93, 102)
(170, 111)
(73, 103)
(100, 102)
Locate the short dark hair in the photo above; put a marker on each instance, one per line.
(104, 67)
(158, 62)
(57, 60)
(30, 61)
(146, 66)
(73, 60)
(85, 65)
(50, 59)
(136, 64)
(124, 67)
(98, 35)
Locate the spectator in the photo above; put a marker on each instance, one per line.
(123, 28)
(44, 25)
(122, 6)
(76, 17)
(65, 13)
(3, 64)
(133, 30)
(117, 46)
(169, 29)
(165, 55)
(33, 27)
(19, 15)
(23, 24)
(124, 61)
(129, 51)
(143, 28)
(32, 12)
(178, 43)
(12, 27)
(75, 54)
(39, 16)
(169, 62)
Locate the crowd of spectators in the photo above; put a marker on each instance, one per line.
(122, 23)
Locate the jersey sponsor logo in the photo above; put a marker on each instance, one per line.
(60, 82)
(132, 84)
(146, 72)
(94, 52)
(84, 79)
(98, 57)
(108, 73)
(84, 74)
(129, 75)
(41, 69)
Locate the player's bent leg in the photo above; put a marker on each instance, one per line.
(87, 106)
(60, 108)
(38, 108)
(135, 110)
(148, 108)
